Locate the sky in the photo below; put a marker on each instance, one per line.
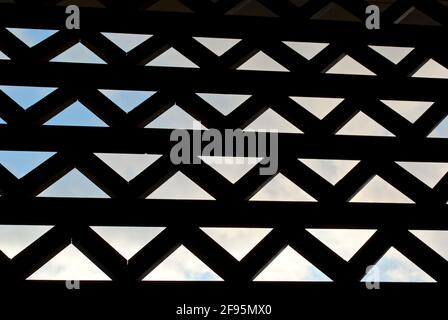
(289, 265)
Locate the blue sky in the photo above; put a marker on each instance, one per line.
(183, 265)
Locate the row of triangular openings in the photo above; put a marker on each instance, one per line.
(289, 265)
(76, 185)
(335, 12)
(321, 107)
(70, 264)
(172, 58)
(183, 265)
(333, 170)
(279, 188)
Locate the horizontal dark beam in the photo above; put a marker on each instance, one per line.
(287, 300)
(207, 25)
(109, 212)
(157, 141)
(220, 81)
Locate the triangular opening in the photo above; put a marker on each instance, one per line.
(271, 120)
(180, 187)
(281, 188)
(262, 62)
(76, 115)
(393, 54)
(441, 131)
(172, 58)
(348, 65)
(78, 53)
(416, 17)
(127, 100)
(15, 238)
(69, 264)
(2, 121)
(428, 172)
(231, 168)
(411, 110)
(334, 12)
(289, 265)
(26, 96)
(224, 103)
(344, 242)
(170, 6)
(395, 267)
(73, 185)
(237, 241)
(126, 41)
(436, 239)
(128, 240)
(218, 46)
(251, 8)
(380, 191)
(21, 163)
(31, 37)
(175, 118)
(320, 107)
(363, 125)
(431, 69)
(128, 165)
(331, 170)
(182, 265)
(3, 56)
(308, 50)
